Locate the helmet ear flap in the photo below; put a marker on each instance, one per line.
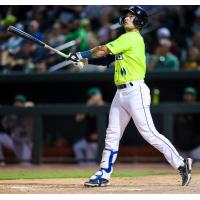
(138, 22)
(121, 20)
(135, 21)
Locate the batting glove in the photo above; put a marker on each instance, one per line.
(75, 57)
(79, 64)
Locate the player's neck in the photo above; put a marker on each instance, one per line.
(132, 30)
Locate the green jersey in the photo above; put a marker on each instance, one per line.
(130, 60)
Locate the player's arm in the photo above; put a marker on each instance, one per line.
(96, 52)
(99, 51)
(104, 60)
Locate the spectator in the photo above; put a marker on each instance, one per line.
(14, 42)
(92, 12)
(171, 22)
(163, 59)
(91, 36)
(33, 29)
(41, 67)
(193, 59)
(104, 31)
(196, 21)
(187, 131)
(85, 149)
(165, 33)
(196, 39)
(69, 13)
(57, 35)
(18, 61)
(16, 133)
(78, 34)
(10, 19)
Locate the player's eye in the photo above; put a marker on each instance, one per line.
(129, 16)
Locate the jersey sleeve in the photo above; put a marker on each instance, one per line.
(120, 45)
(104, 60)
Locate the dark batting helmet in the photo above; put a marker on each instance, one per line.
(141, 16)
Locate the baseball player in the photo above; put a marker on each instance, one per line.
(16, 133)
(132, 98)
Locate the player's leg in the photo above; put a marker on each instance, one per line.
(160, 142)
(118, 120)
(140, 111)
(147, 129)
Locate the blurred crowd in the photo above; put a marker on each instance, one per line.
(172, 35)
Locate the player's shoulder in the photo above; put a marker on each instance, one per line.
(132, 35)
(125, 36)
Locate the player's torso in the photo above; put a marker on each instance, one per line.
(130, 65)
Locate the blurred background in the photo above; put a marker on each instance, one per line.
(53, 112)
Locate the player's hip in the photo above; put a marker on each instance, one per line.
(130, 85)
(134, 91)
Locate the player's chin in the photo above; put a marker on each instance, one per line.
(128, 27)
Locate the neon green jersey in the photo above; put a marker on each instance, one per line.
(130, 59)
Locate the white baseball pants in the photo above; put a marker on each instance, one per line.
(134, 101)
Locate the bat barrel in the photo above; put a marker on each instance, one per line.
(29, 37)
(25, 35)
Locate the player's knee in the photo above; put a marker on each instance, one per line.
(143, 129)
(149, 134)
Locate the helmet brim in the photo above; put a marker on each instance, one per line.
(126, 10)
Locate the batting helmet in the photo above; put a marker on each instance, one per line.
(141, 16)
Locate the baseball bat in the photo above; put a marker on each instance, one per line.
(31, 38)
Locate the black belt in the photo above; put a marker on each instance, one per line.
(122, 86)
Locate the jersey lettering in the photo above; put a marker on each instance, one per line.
(119, 57)
(123, 72)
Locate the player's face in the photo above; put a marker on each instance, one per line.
(128, 21)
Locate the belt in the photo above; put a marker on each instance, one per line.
(124, 85)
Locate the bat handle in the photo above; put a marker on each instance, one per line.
(56, 51)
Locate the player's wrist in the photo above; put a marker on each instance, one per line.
(86, 54)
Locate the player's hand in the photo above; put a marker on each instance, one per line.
(77, 60)
(79, 64)
(75, 57)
